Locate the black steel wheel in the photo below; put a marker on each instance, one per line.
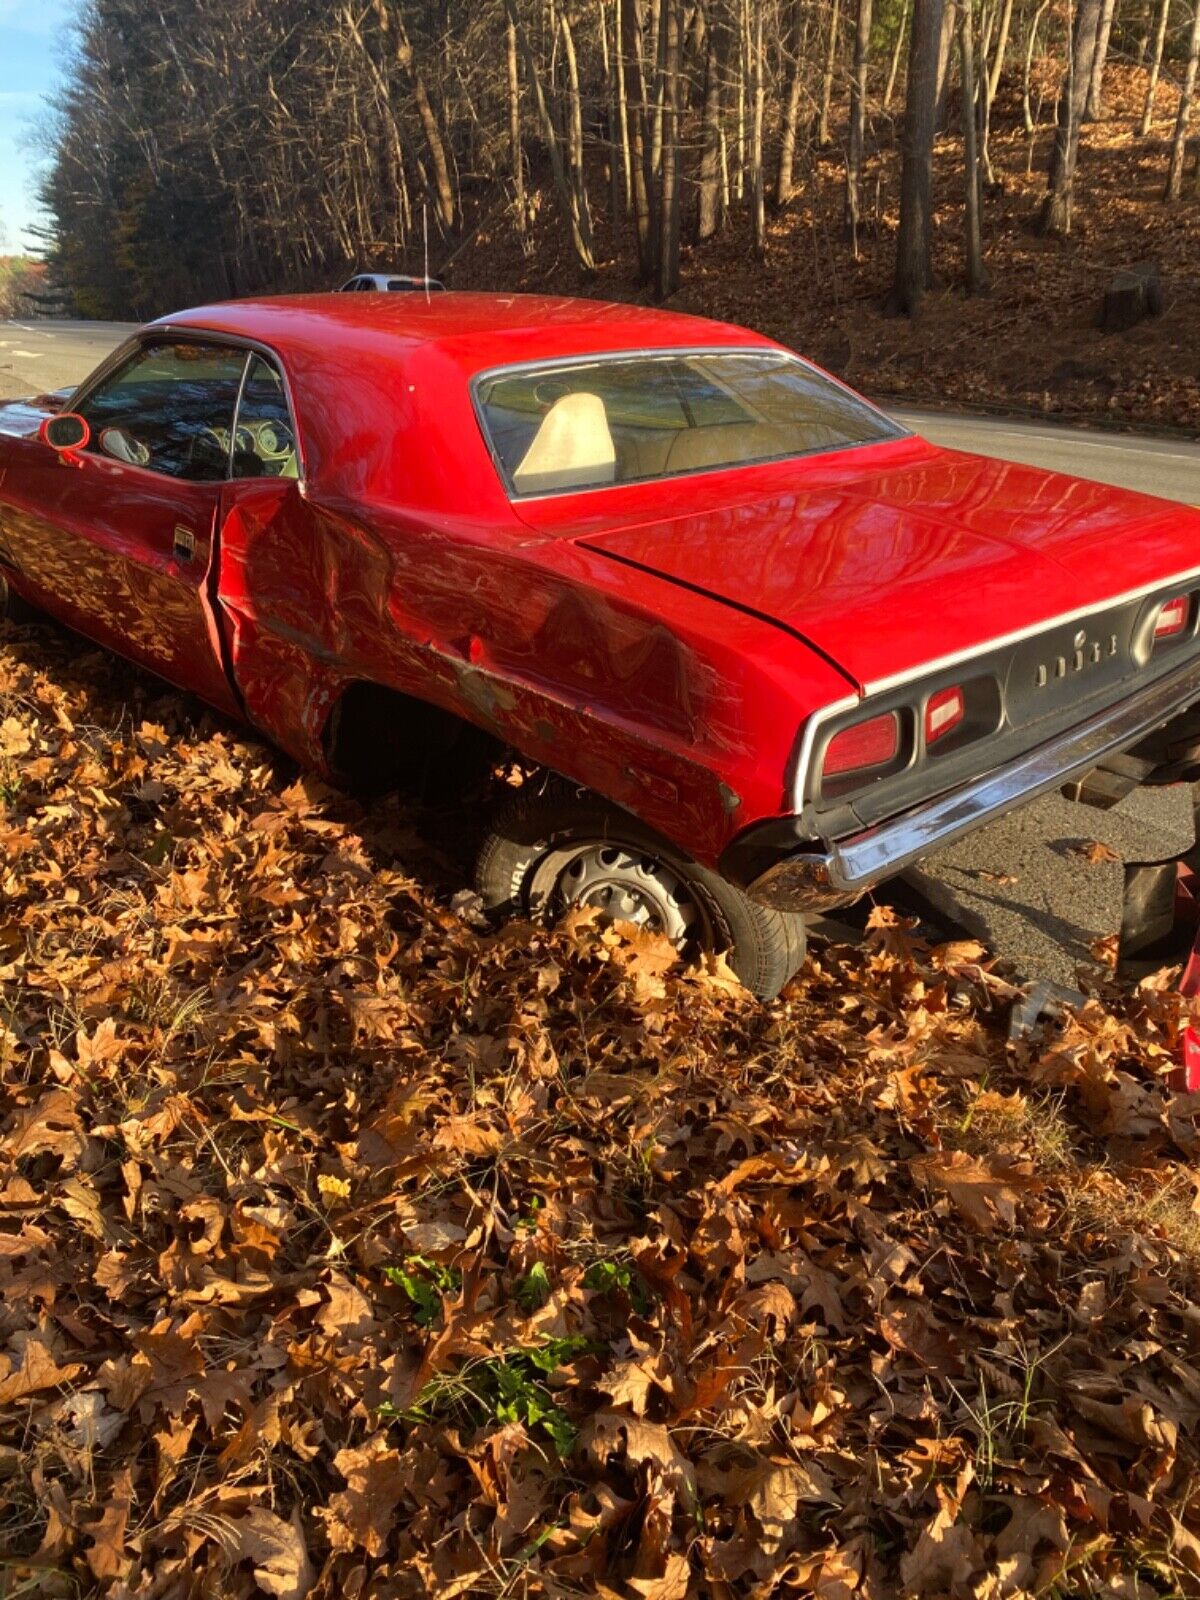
(551, 846)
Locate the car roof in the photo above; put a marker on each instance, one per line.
(366, 370)
(477, 330)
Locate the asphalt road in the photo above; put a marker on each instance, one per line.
(39, 356)
(1021, 884)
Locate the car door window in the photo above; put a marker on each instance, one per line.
(265, 435)
(169, 409)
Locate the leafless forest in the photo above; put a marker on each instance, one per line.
(206, 148)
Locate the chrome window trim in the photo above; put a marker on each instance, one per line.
(666, 353)
(276, 367)
(237, 407)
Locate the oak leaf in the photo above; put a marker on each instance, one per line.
(106, 1553)
(643, 1443)
(278, 1553)
(984, 1191)
(38, 1370)
(361, 1515)
(673, 1584)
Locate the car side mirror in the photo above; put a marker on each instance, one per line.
(66, 432)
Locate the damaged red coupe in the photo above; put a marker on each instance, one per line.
(757, 646)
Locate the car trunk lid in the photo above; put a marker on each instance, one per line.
(888, 558)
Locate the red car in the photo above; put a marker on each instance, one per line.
(757, 646)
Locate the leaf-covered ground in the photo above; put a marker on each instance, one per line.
(347, 1251)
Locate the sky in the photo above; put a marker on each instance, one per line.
(32, 45)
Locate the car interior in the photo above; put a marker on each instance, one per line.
(171, 407)
(625, 420)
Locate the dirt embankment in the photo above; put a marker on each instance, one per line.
(1031, 343)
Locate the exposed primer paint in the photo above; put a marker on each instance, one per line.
(730, 798)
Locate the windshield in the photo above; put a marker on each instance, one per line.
(624, 419)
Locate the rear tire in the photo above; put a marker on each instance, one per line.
(552, 846)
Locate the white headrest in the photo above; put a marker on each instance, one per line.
(573, 447)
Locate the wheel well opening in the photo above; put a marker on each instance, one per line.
(377, 739)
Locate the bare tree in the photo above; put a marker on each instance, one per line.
(1094, 109)
(443, 190)
(671, 25)
(914, 267)
(758, 197)
(858, 120)
(1056, 209)
(1030, 46)
(571, 197)
(642, 172)
(897, 52)
(709, 207)
(784, 181)
(997, 67)
(1174, 185)
(1156, 55)
(516, 155)
(831, 49)
(976, 280)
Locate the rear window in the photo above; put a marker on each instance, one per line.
(627, 419)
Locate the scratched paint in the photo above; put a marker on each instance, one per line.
(663, 643)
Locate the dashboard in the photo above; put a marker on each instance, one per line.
(270, 441)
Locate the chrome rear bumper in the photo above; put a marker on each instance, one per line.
(817, 880)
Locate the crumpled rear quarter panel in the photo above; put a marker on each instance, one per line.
(671, 704)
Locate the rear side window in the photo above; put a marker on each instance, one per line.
(169, 409)
(626, 419)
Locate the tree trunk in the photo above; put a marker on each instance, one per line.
(827, 76)
(897, 52)
(976, 280)
(623, 102)
(1095, 100)
(1030, 45)
(1174, 186)
(791, 110)
(658, 41)
(708, 218)
(1156, 55)
(858, 121)
(443, 190)
(575, 137)
(914, 269)
(757, 173)
(671, 25)
(997, 69)
(581, 240)
(945, 55)
(610, 112)
(514, 127)
(1056, 209)
(639, 153)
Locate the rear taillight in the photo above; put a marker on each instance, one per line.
(1172, 617)
(943, 713)
(867, 744)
